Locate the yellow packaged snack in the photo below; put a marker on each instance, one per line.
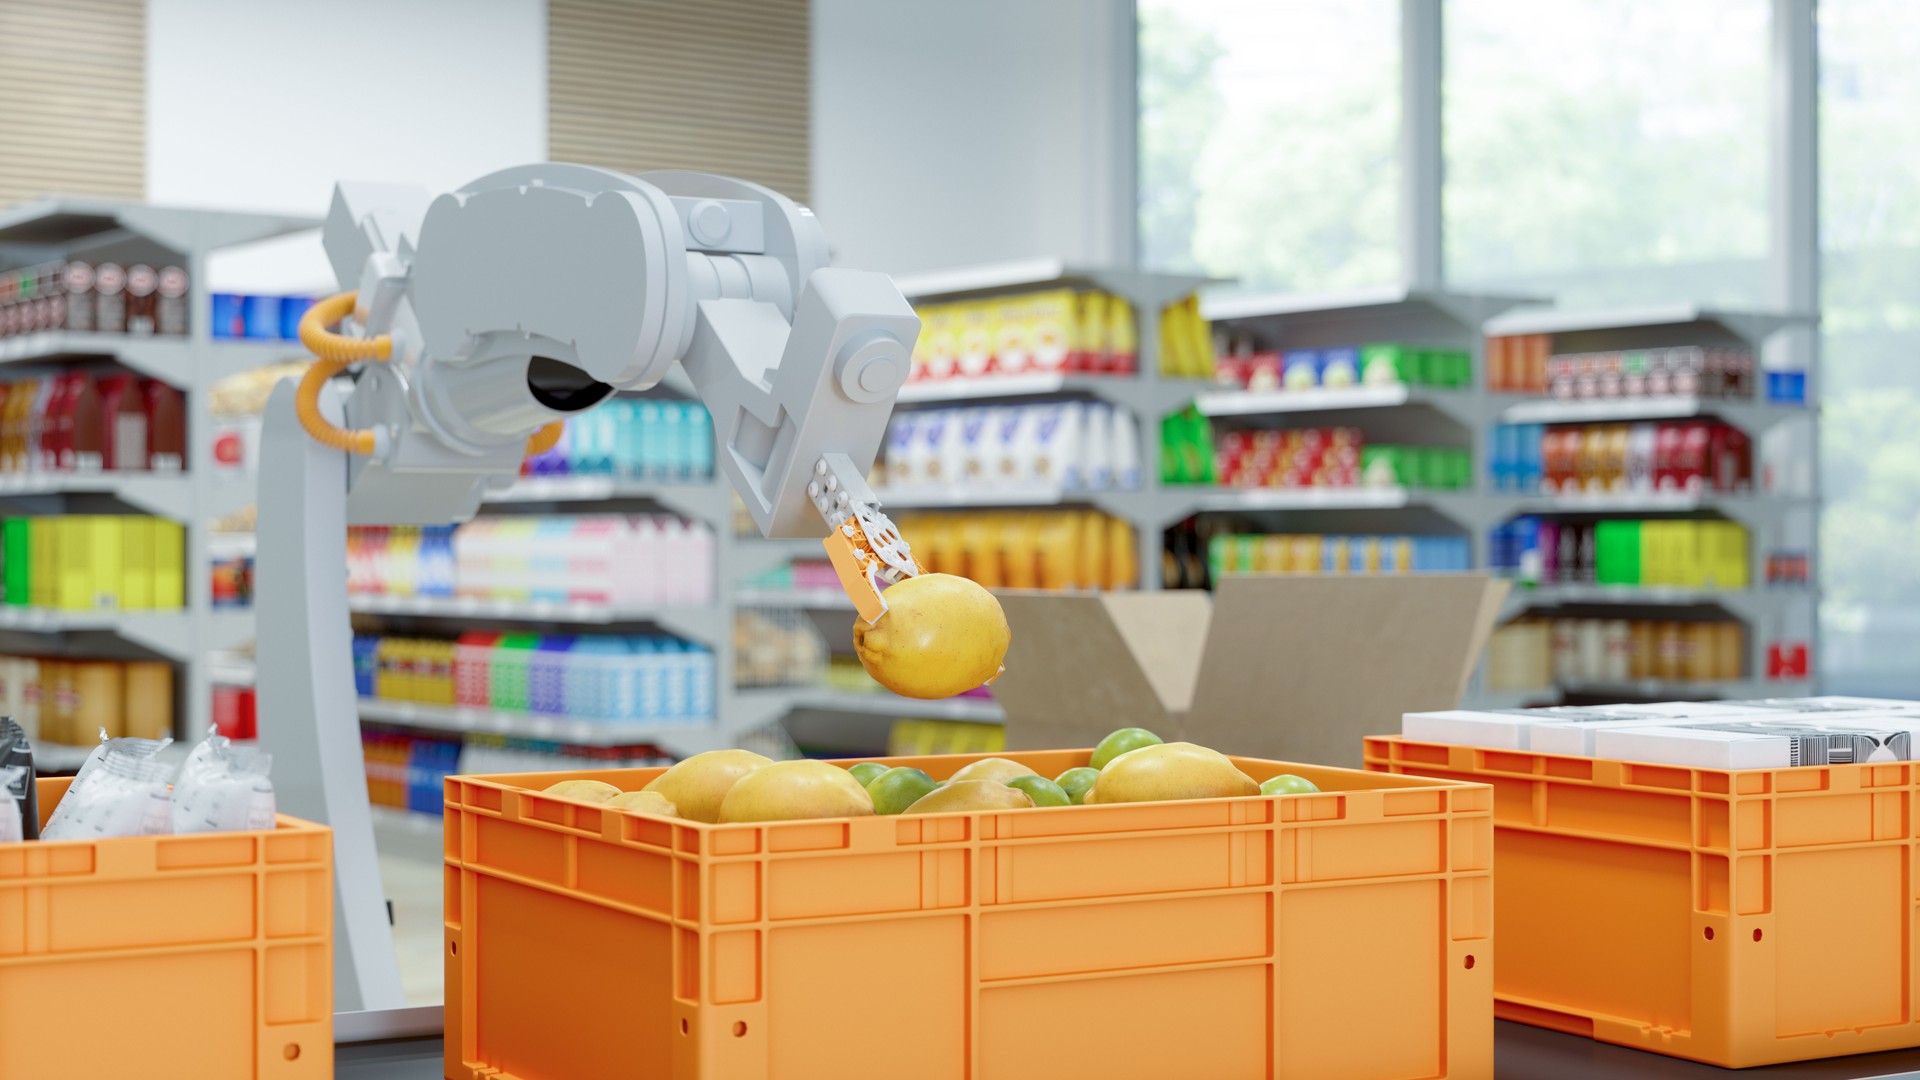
(1059, 550)
(975, 338)
(1051, 336)
(1092, 333)
(980, 543)
(1013, 336)
(1020, 543)
(1123, 555)
(1124, 337)
(1092, 570)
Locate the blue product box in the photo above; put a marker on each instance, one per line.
(229, 316)
(1300, 369)
(292, 309)
(262, 317)
(1528, 438)
(1340, 366)
(1787, 387)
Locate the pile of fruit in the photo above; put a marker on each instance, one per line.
(1129, 766)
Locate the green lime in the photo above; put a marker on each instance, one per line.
(865, 772)
(1127, 738)
(1288, 784)
(1041, 790)
(1075, 782)
(898, 788)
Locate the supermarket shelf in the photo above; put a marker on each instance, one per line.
(231, 545)
(230, 669)
(1679, 690)
(1510, 699)
(1467, 310)
(51, 757)
(1654, 502)
(1132, 392)
(1019, 274)
(1754, 327)
(163, 358)
(567, 729)
(1199, 498)
(699, 497)
(816, 599)
(1318, 399)
(999, 386)
(748, 556)
(968, 495)
(770, 703)
(1745, 413)
(1748, 604)
(700, 622)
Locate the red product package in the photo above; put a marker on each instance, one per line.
(1690, 468)
(1230, 371)
(1730, 459)
(1262, 371)
(1666, 457)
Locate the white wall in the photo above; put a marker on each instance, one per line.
(947, 133)
(263, 104)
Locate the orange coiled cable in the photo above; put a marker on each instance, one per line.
(337, 352)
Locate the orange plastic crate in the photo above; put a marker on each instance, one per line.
(1736, 918)
(201, 957)
(1336, 936)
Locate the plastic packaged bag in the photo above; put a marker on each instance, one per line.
(123, 794)
(12, 827)
(223, 788)
(140, 748)
(20, 807)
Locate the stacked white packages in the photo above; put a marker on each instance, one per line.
(1759, 734)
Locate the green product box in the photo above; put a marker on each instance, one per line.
(1170, 451)
(1460, 369)
(1385, 466)
(511, 671)
(1616, 552)
(1219, 553)
(17, 553)
(1386, 363)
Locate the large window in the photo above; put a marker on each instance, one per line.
(1870, 362)
(1268, 140)
(1607, 152)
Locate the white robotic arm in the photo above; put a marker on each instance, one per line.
(534, 293)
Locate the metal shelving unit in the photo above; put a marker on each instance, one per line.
(1765, 609)
(54, 228)
(1466, 417)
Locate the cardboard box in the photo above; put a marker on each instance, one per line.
(1300, 667)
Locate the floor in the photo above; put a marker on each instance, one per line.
(413, 888)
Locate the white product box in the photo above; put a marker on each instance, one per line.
(1755, 743)
(1495, 729)
(1097, 446)
(900, 431)
(1573, 736)
(967, 455)
(1829, 703)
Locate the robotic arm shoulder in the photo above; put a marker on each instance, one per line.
(536, 292)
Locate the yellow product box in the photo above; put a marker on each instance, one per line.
(1093, 332)
(1174, 342)
(1276, 553)
(149, 708)
(1124, 337)
(105, 561)
(1092, 570)
(136, 562)
(1123, 555)
(1333, 554)
(938, 333)
(975, 337)
(99, 700)
(1051, 330)
(1059, 551)
(1012, 336)
(1363, 553)
(1020, 543)
(74, 558)
(980, 543)
(43, 549)
(169, 565)
(1396, 554)
(56, 704)
(1723, 549)
(1306, 555)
